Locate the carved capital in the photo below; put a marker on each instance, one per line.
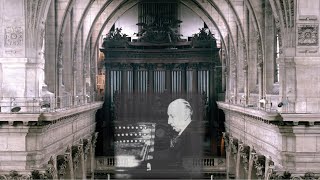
(14, 175)
(86, 147)
(226, 140)
(234, 146)
(244, 154)
(94, 139)
(259, 164)
(76, 155)
(62, 163)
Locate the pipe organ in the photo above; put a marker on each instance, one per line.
(142, 78)
(151, 77)
(158, 78)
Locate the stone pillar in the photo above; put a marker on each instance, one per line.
(260, 81)
(246, 85)
(86, 151)
(12, 49)
(227, 148)
(70, 162)
(13, 80)
(244, 154)
(266, 169)
(251, 157)
(259, 164)
(83, 167)
(92, 153)
(60, 87)
(240, 148)
(64, 165)
(52, 168)
(270, 169)
(168, 85)
(226, 74)
(77, 161)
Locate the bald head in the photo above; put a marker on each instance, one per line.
(179, 112)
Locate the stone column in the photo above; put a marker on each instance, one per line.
(52, 168)
(251, 157)
(246, 84)
(70, 163)
(270, 169)
(86, 149)
(260, 82)
(259, 164)
(266, 169)
(60, 87)
(227, 148)
(226, 74)
(83, 167)
(77, 161)
(92, 153)
(13, 51)
(240, 148)
(14, 80)
(64, 165)
(245, 155)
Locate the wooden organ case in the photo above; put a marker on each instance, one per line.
(143, 76)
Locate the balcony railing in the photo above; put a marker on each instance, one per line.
(207, 164)
(32, 105)
(274, 103)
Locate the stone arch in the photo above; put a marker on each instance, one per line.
(111, 16)
(256, 26)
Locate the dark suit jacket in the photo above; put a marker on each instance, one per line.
(170, 159)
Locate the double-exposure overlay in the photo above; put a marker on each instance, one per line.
(159, 89)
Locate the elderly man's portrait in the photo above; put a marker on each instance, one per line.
(184, 141)
(161, 136)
